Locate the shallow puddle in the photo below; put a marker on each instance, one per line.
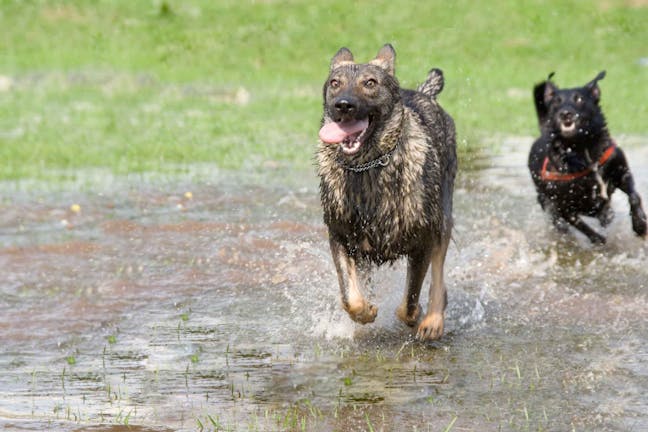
(208, 301)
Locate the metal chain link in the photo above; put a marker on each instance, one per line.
(382, 161)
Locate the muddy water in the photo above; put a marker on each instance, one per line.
(208, 300)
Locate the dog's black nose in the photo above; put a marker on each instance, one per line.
(566, 115)
(345, 106)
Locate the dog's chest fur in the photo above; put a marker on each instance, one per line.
(583, 195)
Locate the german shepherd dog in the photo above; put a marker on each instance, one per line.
(575, 164)
(387, 163)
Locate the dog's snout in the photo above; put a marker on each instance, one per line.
(345, 106)
(566, 115)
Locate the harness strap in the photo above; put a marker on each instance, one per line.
(547, 175)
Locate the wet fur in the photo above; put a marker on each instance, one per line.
(401, 209)
(567, 201)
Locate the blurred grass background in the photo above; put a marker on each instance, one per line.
(145, 85)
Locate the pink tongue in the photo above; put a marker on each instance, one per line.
(333, 133)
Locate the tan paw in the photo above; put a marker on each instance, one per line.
(410, 320)
(431, 327)
(362, 313)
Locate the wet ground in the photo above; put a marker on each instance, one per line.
(208, 301)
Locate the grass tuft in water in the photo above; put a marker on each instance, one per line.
(452, 422)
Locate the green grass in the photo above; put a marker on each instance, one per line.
(142, 85)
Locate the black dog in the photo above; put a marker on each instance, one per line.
(575, 164)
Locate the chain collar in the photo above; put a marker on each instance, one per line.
(381, 161)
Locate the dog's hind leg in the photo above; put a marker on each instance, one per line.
(359, 309)
(637, 214)
(418, 263)
(622, 177)
(432, 325)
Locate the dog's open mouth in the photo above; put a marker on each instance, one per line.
(567, 127)
(349, 134)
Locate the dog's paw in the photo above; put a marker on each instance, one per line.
(410, 320)
(363, 313)
(431, 327)
(596, 238)
(606, 216)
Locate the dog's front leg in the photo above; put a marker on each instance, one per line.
(432, 325)
(418, 263)
(578, 223)
(556, 218)
(359, 309)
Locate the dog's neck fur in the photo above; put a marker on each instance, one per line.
(573, 153)
(390, 135)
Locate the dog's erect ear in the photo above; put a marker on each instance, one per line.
(343, 56)
(550, 90)
(541, 96)
(593, 87)
(539, 100)
(386, 59)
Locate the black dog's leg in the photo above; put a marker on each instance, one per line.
(622, 177)
(592, 235)
(418, 263)
(605, 215)
(559, 223)
(636, 210)
(638, 215)
(556, 218)
(359, 309)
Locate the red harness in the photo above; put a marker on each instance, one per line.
(558, 176)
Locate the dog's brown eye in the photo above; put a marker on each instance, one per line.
(334, 83)
(370, 83)
(578, 99)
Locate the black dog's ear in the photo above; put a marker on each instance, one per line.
(593, 87)
(542, 94)
(343, 56)
(386, 59)
(550, 90)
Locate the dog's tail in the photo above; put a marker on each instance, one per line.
(433, 85)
